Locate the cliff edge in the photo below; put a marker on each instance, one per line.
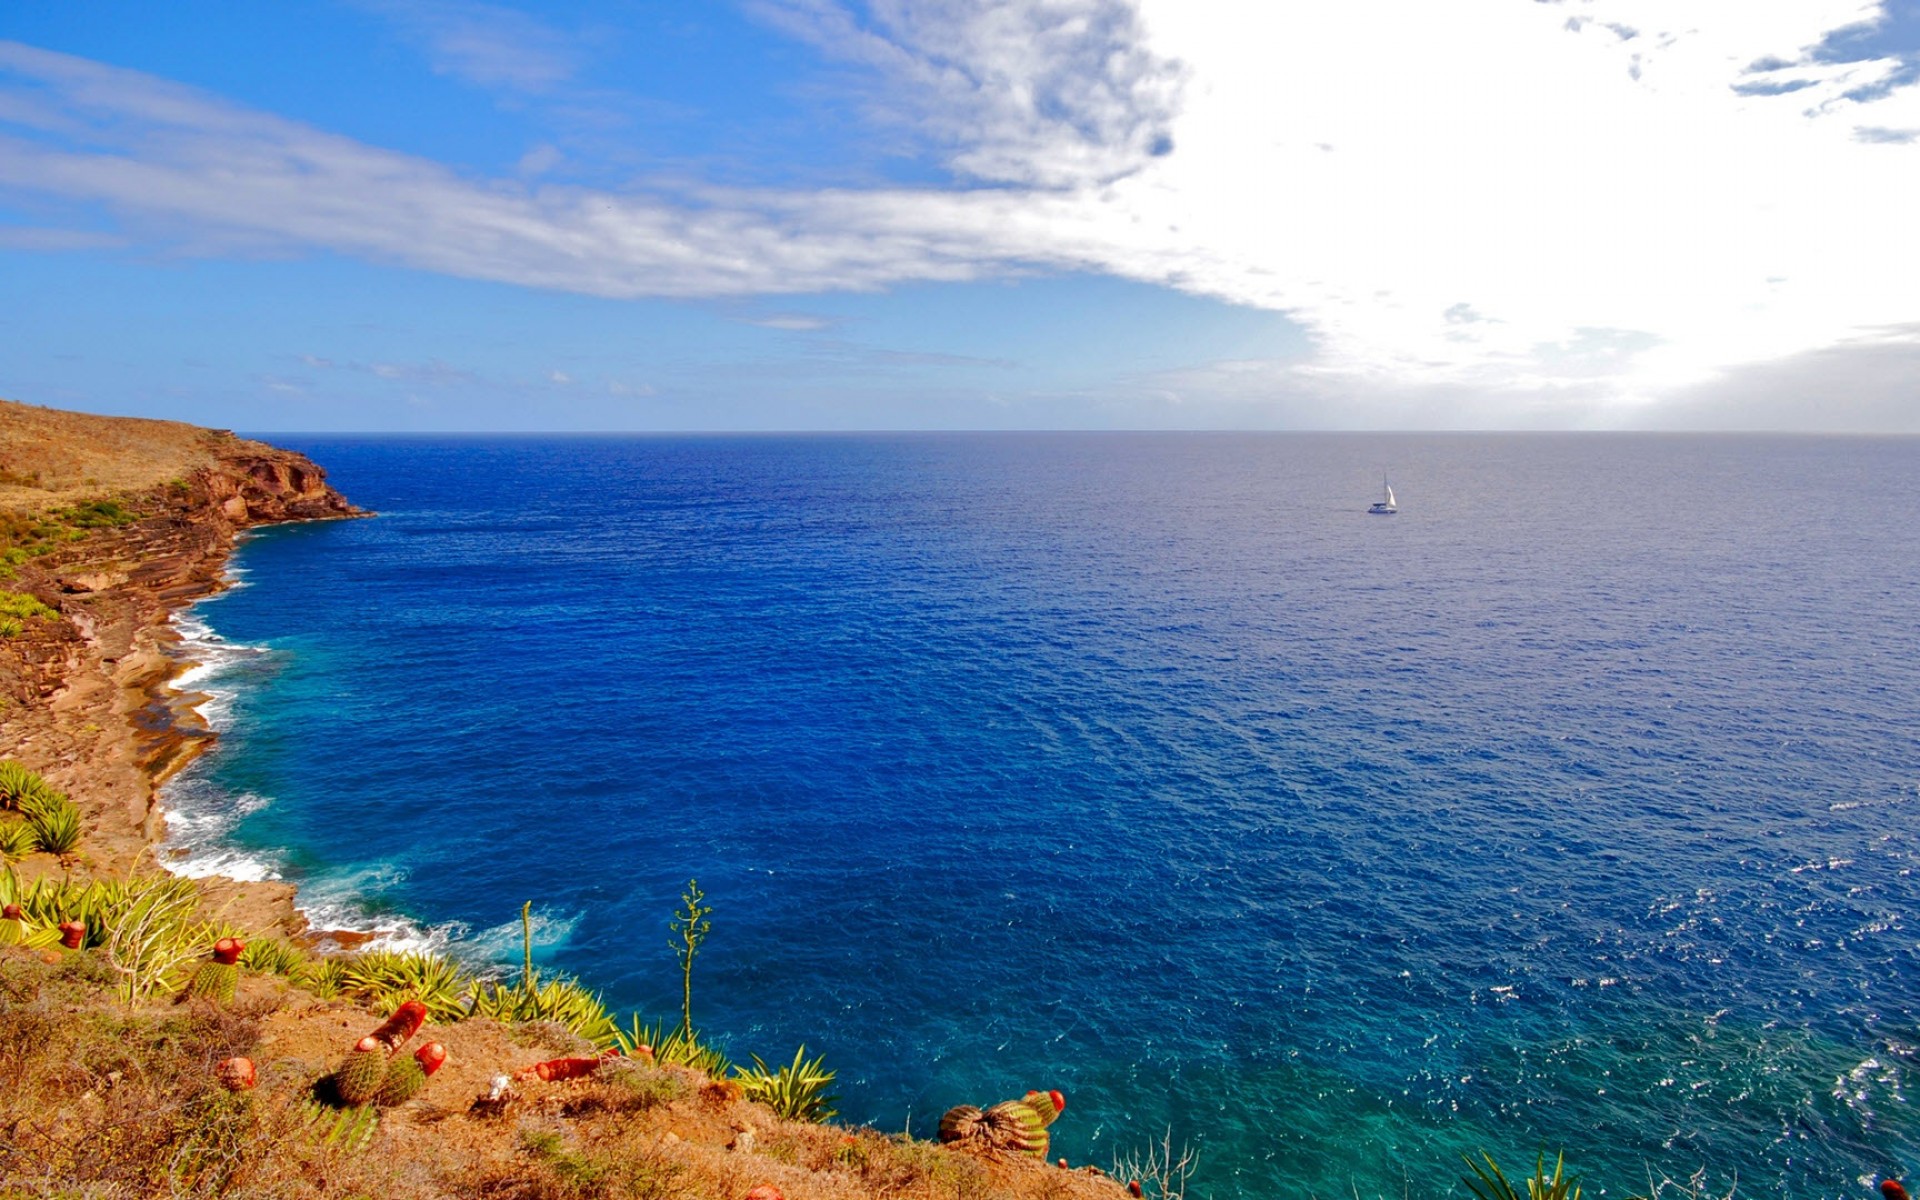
(112, 524)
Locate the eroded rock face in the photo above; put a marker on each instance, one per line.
(258, 485)
(84, 696)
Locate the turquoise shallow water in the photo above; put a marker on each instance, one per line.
(1572, 807)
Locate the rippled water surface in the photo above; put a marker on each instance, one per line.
(1575, 806)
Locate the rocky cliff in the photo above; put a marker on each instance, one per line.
(84, 692)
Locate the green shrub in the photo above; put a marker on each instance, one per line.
(671, 1047)
(23, 605)
(10, 627)
(17, 840)
(558, 999)
(56, 825)
(384, 979)
(271, 956)
(324, 977)
(1490, 1183)
(797, 1091)
(97, 514)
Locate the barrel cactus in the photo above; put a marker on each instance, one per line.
(359, 1079)
(408, 1073)
(1009, 1127)
(217, 979)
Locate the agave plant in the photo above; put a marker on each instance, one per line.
(271, 956)
(17, 840)
(324, 977)
(671, 1046)
(797, 1091)
(1488, 1182)
(56, 825)
(16, 781)
(151, 933)
(556, 999)
(386, 978)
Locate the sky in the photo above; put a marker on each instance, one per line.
(611, 215)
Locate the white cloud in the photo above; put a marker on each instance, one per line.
(485, 44)
(1505, 212)
(791, 322)
(1051, 93)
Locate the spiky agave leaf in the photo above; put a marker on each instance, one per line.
(671, 1046)
(56, 826)
(17, 840)
(271, 956)
(324, 977)
(797, 1091)
(15, 781)
(384, 979)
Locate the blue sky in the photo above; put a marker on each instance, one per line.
(892, 214)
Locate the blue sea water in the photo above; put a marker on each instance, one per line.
(1573, 807)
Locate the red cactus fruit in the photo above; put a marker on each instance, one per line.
(563, 1068)
(765, 1191)
(12, 913)
(227, 951)
(1133, 1187)
(235, 1074)
(72, 934)
(431, 1057)
(1892, 1190)
(1059, 1101)
(403, 1024)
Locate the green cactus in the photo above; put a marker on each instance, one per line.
(1011, 1126)
(1047, 1104)
(215, 981)
(13, 930)
(404, 1080)
(360, 1078)
(1027, 1131)
(349, 1130)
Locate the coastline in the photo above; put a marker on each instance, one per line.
(101, 701)
(190, 838)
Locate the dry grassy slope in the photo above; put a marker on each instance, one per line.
(103, 1101)
(49, 457)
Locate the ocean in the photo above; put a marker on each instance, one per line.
(1572, 808)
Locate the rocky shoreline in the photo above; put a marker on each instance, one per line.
(87, 700)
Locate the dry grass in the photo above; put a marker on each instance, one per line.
(49, 457)
(102, 1101)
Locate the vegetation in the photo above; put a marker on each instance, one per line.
(690, 926)
(797, 1091)
(17, 840)
(1161, 1171)
(51, 823)
(16, 608)
(1488, 1182)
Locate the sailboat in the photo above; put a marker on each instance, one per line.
(1384, 507)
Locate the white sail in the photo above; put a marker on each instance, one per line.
(1391, 503)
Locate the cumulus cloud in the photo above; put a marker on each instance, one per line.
(1572, 211)
(1057, 93)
